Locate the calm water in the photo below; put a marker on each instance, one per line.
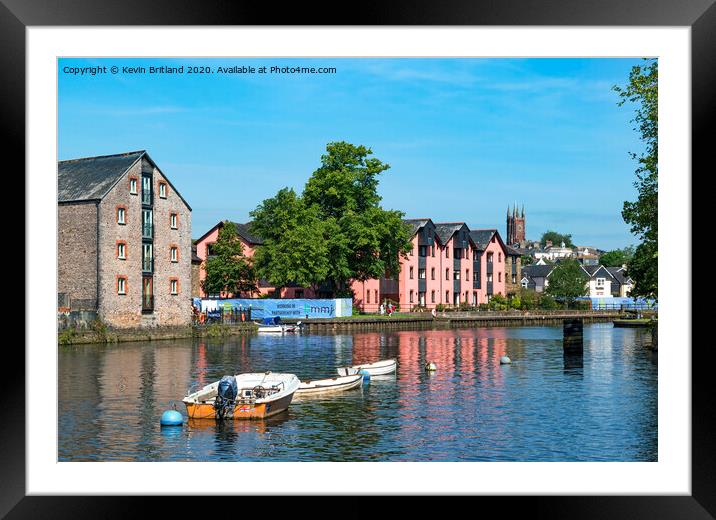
(539, 408)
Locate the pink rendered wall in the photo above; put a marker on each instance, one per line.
(201, 253)
(498, 271)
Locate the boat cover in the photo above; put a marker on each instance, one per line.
(272, 320)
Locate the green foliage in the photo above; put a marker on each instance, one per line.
(529, 299)
(217, 330)
(336, 231)
(498, 303)
(294, 241)
(439, 307)
(617, 257)
(229, 271)
(546, 302)
(567, 281)
(642, 214)
(526, 260)
(557, 239)
(515, 302)
(66, 336)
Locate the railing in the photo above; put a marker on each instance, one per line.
(224, 316)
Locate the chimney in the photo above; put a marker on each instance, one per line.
(548, 243)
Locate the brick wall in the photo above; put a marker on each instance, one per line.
(171, 309)
(121, 310)
(77, 253)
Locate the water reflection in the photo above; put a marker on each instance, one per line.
(470, 408)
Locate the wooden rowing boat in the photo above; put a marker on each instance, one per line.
(257, 396)
(322, 386)
(386, 366)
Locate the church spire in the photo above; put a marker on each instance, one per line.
(523, 210)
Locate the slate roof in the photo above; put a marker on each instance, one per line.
(415, 223)
(618, 274)
(194, 257)
(537, 271)
(482, 237)
(244, 231)
(445, 230)
(91, 178)
(592, 269)
(511, 251)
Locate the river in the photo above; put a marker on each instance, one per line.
(541, 407)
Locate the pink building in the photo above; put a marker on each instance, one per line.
(250, 242)
(449, 265)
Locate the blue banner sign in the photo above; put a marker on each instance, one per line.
(285, 308)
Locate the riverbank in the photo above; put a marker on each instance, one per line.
(405, 321)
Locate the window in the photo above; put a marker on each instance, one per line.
(121, 285)
(147, 228)
(499, 276)
(514, 278)
(600, 282)
(146, 190)
(411, 274)
(209, 250)
(432, 273)
(423, 251)
(375, 292)
(474, 298)
(499, 258)
(447, 296)
(411, 296)
(432, 249)
(133, 185)
(174, 221)
(121, 211)
(147, 257)
(447, 253)
(122, 250)
(489, 277)
(174, 254)
(367, 296)
(456, 275)
(474, 276)
(432, 296)
(421, 274)
(467, 274)
(162, 190)
(447, 274)
(299, 294)
(489, 258)
(173, 286)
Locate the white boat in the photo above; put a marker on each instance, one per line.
(244, 396)
(274, 326)
(386, 366)
(336, 384)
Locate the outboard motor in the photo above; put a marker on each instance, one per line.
(225, 397)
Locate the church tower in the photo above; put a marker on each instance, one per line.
(516, 226)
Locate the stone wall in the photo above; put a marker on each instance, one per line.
(114, 309)
(77, 253)
(171, 309)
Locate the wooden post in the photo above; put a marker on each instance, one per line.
(573, 335)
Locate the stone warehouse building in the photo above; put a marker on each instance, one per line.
(124, 241)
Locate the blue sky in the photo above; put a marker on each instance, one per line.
(464, 138)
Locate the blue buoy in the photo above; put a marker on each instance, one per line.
(365, 374)
(171, 418)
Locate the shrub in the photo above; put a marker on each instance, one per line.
(439, 307)
(515, 302)
(66, 336)
(547, 302)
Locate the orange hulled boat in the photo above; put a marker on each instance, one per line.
(243, 396)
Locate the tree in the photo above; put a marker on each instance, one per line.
(617, 257)
(228, 271)
(294, 248)
(526, 260)
(642, 214)
(568, 281)
(556, 239)
(364, 241)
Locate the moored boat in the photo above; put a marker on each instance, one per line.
(322, 386)
(385, 366)
(244, 396)
(273, 325)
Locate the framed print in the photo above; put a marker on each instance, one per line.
(247, 216)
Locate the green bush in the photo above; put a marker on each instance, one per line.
(439, 307)
(546, 302)
(515, 302)
(66, 336)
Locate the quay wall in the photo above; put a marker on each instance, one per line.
(457, 320)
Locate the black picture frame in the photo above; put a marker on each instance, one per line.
(699, 15)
